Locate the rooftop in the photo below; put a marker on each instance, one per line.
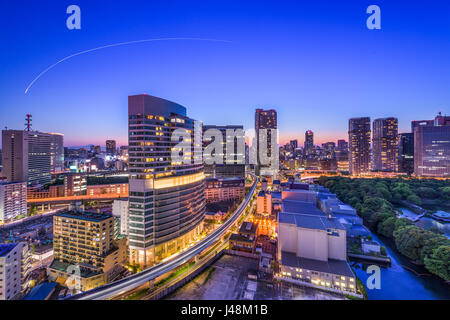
(6, 182)
(87, 216)
(298, 186)
(276, 195)
(370, 242)
(325, 195)
(6, 248)
(299, 195)
(345, 207)
(241, 238)
(310, 221)
(302, 207)
(248, 228)
(41, 291)
(331, 266)
(86, 272)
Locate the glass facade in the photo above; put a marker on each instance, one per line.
(385, 144)
(432, 151)
(167, 198)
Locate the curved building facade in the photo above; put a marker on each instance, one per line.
(167, 197)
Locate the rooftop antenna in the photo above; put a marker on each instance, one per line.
(28, 122)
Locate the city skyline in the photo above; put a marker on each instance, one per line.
(284, 138)
(301, 58)
(225, 154)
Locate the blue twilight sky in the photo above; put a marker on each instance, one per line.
(315, 62)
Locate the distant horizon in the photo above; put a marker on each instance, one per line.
(316, 63)
(285, 138)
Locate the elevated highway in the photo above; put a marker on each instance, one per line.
(124, 285)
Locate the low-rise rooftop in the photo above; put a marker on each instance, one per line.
(248, 228)
(87, 216)
(310, 221)
(240, 238)
(276, 195)
(331, 266)
(86, 270)
(6, 248)
(41, 291)
(302, 207)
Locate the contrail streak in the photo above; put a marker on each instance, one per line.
(114, 45)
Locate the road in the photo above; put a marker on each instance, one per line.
(122, 286)
(16, 223)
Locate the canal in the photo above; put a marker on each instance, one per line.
(402, 280)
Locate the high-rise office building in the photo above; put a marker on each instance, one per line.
(111, 148)
(13, 200)
(234, 166)
(441, 120)
(167, 196)
(123, 151)
(26, 156)
(342, 145)
(293, 144)
(432, 148)
(385, 144)
(56, 152)
(342, 156)
(266, 119)
(329, 150)
(15, 155)
(359, 145)
(406, 153)
(420, 123)
(308, 147)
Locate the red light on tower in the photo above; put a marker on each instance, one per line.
(28, 122)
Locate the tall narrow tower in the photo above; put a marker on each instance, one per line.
(309, 142)
(385, 144)
(265, 119)
(359, 145)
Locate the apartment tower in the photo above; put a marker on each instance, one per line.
(359, 145)
(385, 144)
